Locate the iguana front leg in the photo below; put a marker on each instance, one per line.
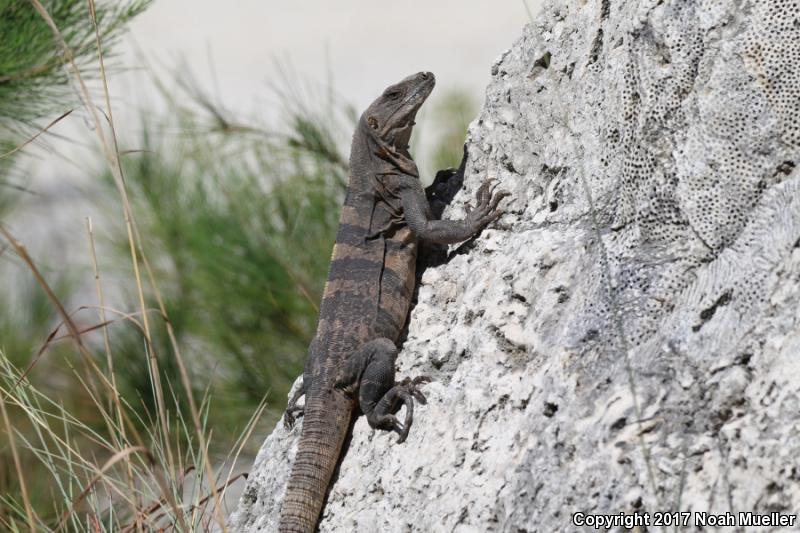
(370, 373)
(416, 213)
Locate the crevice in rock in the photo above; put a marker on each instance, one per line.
(708, 313)
(605, 9)
(597, 47)
(540, 65)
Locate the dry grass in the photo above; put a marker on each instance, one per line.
(114, 478)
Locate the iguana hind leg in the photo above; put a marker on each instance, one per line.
(370, 373)
(294, 411)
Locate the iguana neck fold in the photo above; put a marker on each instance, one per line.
(390, 160)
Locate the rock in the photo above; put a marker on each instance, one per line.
(627, 337)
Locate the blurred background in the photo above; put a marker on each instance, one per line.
(170, 180)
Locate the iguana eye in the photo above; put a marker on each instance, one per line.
(392, 94)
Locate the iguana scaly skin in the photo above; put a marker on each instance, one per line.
(366, 299)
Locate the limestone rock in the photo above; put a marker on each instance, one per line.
(627, 337)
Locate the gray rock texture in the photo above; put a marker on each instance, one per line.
(627, 337)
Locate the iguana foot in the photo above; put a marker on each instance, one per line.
(403, 393)
(412, 386)
(415, 382)
(487, 209)
(294, 411)
(290, 416)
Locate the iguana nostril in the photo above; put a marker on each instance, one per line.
(424, 75)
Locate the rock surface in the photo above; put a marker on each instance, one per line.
(627, 337)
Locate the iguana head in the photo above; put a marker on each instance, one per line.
(391, 116)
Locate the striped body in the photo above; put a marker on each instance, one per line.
(367, 296)
(370, 281)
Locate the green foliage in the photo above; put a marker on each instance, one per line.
(23, 331)
(453, 115)
(242, 220)
(33, 80)
(7, 190)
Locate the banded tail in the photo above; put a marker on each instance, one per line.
(325, 426)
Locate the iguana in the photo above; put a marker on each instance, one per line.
(351, 360)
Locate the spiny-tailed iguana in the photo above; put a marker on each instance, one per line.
(351, 361)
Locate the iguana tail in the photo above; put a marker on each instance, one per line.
(325, 425)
